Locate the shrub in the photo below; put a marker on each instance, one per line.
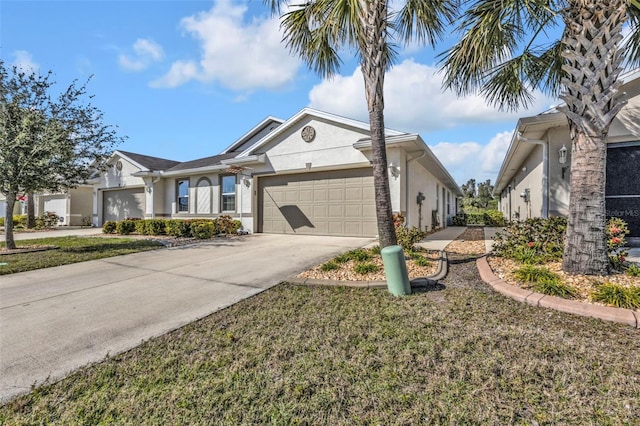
(226, 225)
(633, 270)
(555, 288)
(126, 227)
(617, 295)
(46, 220)
(408, 237)
(365, 268)
(109, 227)
(532, 274)
(616, 232)
(151, 227)
(474, 218)
(202, 229)
(537, 239)
(178, 228)
(19, 220)
(493, 218)
(329, 266)
(375, 250)
(459, 220)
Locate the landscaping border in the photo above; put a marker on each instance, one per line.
(621, 315)
(419, 282)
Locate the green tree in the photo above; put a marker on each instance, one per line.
(469, 189)
(47, 143)
(317, 30)
(504, 53)
(484, 197)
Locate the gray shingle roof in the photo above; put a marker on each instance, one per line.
(202, 162)
(151, 163)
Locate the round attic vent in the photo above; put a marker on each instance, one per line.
(308, 133)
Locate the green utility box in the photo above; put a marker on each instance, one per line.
(395, 269)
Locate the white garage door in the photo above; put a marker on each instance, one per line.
(56, 204)
(123, 203)
(340, 203)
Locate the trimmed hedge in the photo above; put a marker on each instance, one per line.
(196, 228)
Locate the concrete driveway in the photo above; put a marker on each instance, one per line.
(55, 320)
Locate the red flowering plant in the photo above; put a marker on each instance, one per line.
(616, 233)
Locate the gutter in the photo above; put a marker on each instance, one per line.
(545, 171)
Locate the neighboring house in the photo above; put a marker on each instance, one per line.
(310, 174)
(534, 178)
(74, 207)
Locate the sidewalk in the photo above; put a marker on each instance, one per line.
(440, 239)
(62, 231)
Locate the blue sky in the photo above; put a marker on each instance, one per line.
(184, 79)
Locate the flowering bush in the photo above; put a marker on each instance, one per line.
(616, 232)
(532, 241)
(46, 220)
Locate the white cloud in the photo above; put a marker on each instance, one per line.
(414, 100)
(24, 62)
(238, 54)
(468, 160)
(145, 52)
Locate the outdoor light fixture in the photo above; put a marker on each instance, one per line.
(562, 155)
(246, 182)
(562, 159)
(394, 170)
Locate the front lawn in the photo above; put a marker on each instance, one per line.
(459, 354)
(70, 250)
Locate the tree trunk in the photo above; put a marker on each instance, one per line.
(586, 245)
(592, 66)
(8, 221)
(31, 211)
(373, 67)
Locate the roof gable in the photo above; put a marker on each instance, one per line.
(147, 162)
(307, 113)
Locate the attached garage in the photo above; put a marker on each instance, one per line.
(340, 203)
(56, 203)
(119, 204)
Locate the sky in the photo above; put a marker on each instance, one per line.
(185, 79)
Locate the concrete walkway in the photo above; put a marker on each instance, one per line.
(62, 231)
(439, 240)
(56, 320)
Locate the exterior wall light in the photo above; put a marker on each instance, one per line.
(394, 170)
(246, 181)
(562, 155)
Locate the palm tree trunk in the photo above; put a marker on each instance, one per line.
(373, 67)
(586, 244)
(8, 221)
(592, 66)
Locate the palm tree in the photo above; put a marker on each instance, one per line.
(505, 52)
(317, 30)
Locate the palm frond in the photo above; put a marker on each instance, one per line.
(631, 42)
(425, 20)
(499, 54)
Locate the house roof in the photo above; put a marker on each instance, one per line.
(146, 161)
(535, 127)
(418, 149)
(310, 112)
(251, 133)
(199, 163)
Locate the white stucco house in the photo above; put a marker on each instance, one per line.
(310, 174)
(534, 177)
(73, 207)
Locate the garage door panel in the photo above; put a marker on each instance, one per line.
(123, 203)
(322, 203)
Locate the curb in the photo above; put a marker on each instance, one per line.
(420, 282)
(621, 315)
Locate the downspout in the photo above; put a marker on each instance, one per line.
(545, 171)
(406, 181)
(153, 196)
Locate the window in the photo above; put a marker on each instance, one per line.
(228, 193)
(183, 195)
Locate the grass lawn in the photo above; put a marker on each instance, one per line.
(71, 250)
(303, 355)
